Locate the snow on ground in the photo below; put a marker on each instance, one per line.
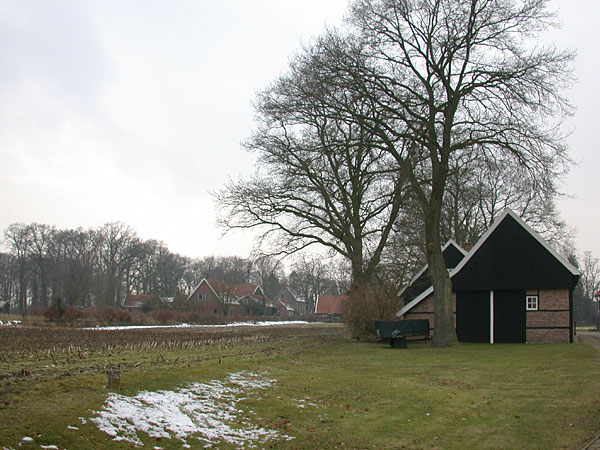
(185, 325)
(204, 411)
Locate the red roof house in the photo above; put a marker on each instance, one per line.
(331, 305)
(136, 302)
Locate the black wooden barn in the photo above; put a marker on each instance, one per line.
(510, 287)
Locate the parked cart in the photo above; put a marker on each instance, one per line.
(397, 332)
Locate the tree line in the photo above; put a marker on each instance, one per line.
(100, 266)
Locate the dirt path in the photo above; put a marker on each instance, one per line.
(590, 338)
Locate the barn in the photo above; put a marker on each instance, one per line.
(510, 287)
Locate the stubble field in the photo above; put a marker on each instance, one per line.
(296, 386)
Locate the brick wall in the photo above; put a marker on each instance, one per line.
(424, 310)
(548, 336)
(553, 311)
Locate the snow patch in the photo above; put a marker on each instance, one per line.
(203, 411)
(186, 325)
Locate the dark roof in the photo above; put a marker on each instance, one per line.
(331, 304)
(513, 257)
(452, 253)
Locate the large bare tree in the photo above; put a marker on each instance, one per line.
(456, 77)
(431, 83)
(319, 178)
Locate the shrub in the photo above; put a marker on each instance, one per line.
(163, 315)
(73, 314)
(367, 302)
(123, 315)
(52, 313)
(109, 314)
(34, 311)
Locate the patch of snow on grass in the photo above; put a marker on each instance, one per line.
(186, 325)
(204, 411)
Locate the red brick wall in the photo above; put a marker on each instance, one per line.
(424, 310)
(553, 311)
(202, 289)
(548, 336)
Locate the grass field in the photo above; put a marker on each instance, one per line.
(290, 387)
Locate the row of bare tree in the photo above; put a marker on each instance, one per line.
(99, 267)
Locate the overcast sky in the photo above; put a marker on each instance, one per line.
(134, 111)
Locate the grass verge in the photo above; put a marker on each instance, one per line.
(331, 392)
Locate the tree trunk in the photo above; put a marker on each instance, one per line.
(445, 333)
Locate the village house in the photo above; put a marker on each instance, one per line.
(254, 301)
(144, 303)
(330, 307)
(295, 304)
(213, 298)
(510, 287)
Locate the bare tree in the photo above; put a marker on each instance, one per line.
(8, 283)
(267, 271)
(455, 77)
(41, 237)
(117, 248)
(17, 240)
(319, 178)
(311, 276)
(590, 275)
(479, 189)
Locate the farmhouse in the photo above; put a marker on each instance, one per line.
(330, 307)
(294, 304)
(253, 299)
(211, 297)
(510, 287)
(143, 302)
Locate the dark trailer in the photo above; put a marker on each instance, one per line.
(397, 332)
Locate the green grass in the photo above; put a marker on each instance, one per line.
(337, 393)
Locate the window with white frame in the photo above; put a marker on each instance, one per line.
(531, 302)
(199, 296)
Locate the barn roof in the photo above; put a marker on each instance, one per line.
(475, 271)
(330, 304)
(136, 301)
(453, 254)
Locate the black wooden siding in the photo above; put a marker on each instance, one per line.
(452, 256)
(509, 259)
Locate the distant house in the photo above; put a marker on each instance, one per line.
(143, 302)
(295, 304)
(212, 298)
(330, 307)
(253, 299)
(510, 287)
